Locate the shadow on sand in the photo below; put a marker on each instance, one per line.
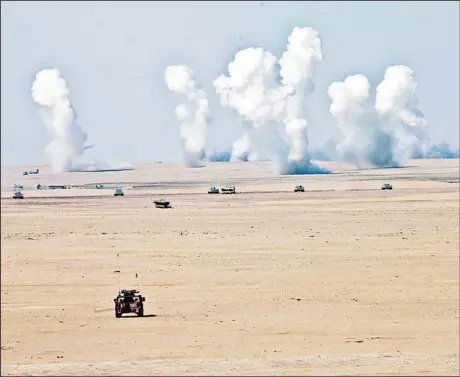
(135, 316)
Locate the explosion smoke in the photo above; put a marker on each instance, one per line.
(193, 115)
(297, 68)
(252, 90)
(68, 139)
(391, 132)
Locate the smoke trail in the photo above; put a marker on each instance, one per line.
(193, 115)
(50, 91)
(386, 135)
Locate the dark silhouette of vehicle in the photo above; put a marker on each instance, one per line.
(36, 171)
(213, 190)
(228, 190)
(162, 203)
(18, 195)
(129, 301)
(387, 186)
(299, 188)
(119, 192)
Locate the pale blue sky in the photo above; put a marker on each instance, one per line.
(113, 56)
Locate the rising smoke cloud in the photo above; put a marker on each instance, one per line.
(193, 115)
(253, 91)
(50, 91)
(386, 134)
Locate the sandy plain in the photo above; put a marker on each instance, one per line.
(342, 279)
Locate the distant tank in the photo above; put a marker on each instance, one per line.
(18, 195)
(162, 203)
(228, 190)
(36, 171)
(18, 187)
(25, 173)
(299, 188)
(387, 186)
(213, 190)
(119, 192)
(99, 186)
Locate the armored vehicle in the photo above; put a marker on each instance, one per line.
(213, 190)
(18, 195)
(228, 190)
(162, 203)
(299, 188)
(129, 301)
(119, 192)
(387, 186)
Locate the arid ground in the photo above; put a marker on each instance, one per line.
(344, 278)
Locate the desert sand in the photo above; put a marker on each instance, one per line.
(342, 279)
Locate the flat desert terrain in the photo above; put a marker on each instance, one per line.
(344, 278)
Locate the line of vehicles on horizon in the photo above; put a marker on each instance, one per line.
(119, 192)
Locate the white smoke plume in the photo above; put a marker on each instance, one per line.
(193, 115)
(397, 104)
(387, 134)
(297, 68)
(50, 91)
(253, 91)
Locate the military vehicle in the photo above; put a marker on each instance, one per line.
(162, 203)
(99, 186)
(119, 192)
(18, 187)
(18, 195)
(58, 187)
(387, 186)
(25, 173)
(213, 190)
(228, 190)
(129, 301)
(299, 188)
(36, 171)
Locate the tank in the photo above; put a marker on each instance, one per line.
(162, 203)
(18, 195)
(299, 188)
(387, 186)
(213, 190)
(119, 192)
